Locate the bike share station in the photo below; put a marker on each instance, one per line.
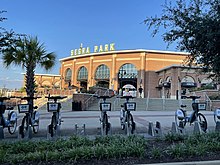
(126, 118)
(196, 117)
(53, 129)
(31, 119)
(10, 122)
(104, 107)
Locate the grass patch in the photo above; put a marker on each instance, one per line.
(76, 149)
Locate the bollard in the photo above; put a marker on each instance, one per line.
(181, 128)
(197, 128)
(174, 129)
(48, 132)
(151, 129)
(1, 132)
(217, 127)
(19, 132)
(28, 134)
(80, 131)
(158, 130)
(57, 130)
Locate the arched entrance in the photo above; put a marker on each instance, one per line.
(68, 77)
(82, 78)
(127, 75)
(102, 76)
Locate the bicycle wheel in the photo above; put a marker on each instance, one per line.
(180, 118)
(35, 125)
(12, 122)
(24, 126)
(202, 121)
(105, 124)
(217, 115)
(52, 126)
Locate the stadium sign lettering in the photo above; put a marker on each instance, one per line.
(97, 49)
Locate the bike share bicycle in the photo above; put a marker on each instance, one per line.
(104, 107)
(31, 118)
(126, 118)
(55, 108)
(181, 117)
(11, 121)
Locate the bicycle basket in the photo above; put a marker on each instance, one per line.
(131, 106)
(23, 108)
(53, 107)
(105, 106)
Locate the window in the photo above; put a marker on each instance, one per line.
(82, 74)
(102, 72)
(128, 71)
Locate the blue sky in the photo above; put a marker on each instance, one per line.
(63, 25)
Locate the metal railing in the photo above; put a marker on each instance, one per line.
(208, 101)
(88, 101)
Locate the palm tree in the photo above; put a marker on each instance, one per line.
(29, 53)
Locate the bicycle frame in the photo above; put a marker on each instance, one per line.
(54, 107)
(126, 117)
(11, 121)
(31, 117)
(104, 107)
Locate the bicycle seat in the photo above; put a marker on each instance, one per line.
(10, 108)
(35, 107)
(193, 97)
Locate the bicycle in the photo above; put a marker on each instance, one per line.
(104, 107)
(55, 108)
(181, 117)
(217, 115)
(11, 121)
(31, 117)
(126, 118)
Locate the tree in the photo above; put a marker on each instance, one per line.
(195, 26)
(6, 37)
(28, 52)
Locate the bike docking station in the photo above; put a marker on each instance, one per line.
(126, 118)
(80, 130)
(11, 121)
(104, 107)
(30, 121)
(24, 132)
(53, 129)
(217, 119)
(196, 118)
(155, 131)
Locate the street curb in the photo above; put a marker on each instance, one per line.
(214, 162)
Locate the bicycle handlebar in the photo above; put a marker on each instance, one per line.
(55, 97)
(127, 97)
(191, 97)
(28, 97)
(6, 98)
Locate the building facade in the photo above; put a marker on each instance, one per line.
(158, 73)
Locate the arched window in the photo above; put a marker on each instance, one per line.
(68, 75)
(127, 71)
(188, 82)
(102, 72)
(82, 73)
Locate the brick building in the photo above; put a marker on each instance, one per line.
(159, 73)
